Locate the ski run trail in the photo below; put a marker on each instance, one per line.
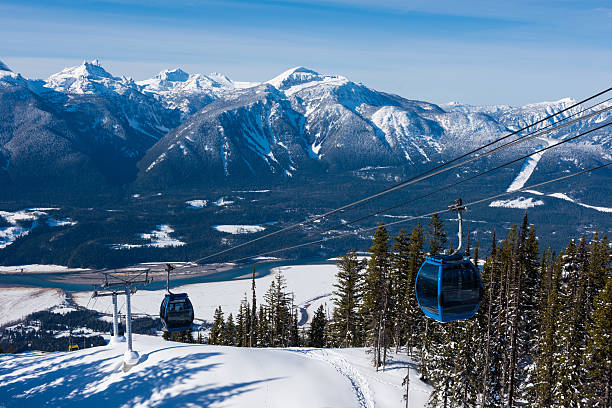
(171, 374)
(340, 364)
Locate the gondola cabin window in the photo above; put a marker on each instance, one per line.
(427, 288)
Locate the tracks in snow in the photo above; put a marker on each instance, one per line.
(359, 383)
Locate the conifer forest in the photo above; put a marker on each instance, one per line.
(541, 337)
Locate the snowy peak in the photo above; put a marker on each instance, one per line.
(189, 92)
(220, 78)
(8, 77)
(295, 76)
(4, 67)
(88, 78)
(177, 81)
(88, 69)
(173, 75)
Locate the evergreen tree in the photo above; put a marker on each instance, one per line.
(599, 349)
(218, 328)
(375, 306)
(262, 327)
(347, 297)
(253, 327)
(270, 309)
(243, 324)
(295, 333)
(571, 323)
(489, 277)
(317, 335)
(415, 320)
(279, 312)
(440, 357)
(599, 267)
(465, 381)
(400, 279)
(436, 236)
(547, 368)
(230, 333)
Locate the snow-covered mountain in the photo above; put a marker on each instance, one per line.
(177, 89)
(301, 121)
(192, 129)
(8, 77)
(296, 122)
(3, 67)
(516, 117)
(80, 121)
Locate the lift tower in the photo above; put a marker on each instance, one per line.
(118, 283)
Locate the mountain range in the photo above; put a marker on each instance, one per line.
(87, 129)
(101, 170)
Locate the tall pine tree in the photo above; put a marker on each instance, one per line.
(375, 305)
(347, 297)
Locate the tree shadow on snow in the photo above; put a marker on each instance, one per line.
(400, 365)
(75, 386)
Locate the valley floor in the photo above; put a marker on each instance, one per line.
(18, 302)
(312, 286)
(176, 374)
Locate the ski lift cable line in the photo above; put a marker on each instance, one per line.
(529, 136)
(524, 138)
(451, 185)
(412, 218)
(459, 182)
(444, 167)
(456, 183)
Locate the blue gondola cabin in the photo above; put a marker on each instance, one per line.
(448, 288)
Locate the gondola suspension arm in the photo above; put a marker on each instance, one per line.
(459, 208)
(169, 267)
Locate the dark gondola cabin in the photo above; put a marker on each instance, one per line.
(176, 312)
(448, 288)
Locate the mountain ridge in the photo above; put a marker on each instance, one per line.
(179, 128)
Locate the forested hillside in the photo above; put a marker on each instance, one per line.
(541, 337)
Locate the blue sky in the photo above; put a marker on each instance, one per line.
(477, 52)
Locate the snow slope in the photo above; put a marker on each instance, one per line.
(311, 284)
(520, 202)
(174, 374)
(20, 302)
(571, 200)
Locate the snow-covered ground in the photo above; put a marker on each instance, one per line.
(29, 217)
(223, 201)
(175, 374)
(523, 203)
(180, 375)
(36, 268)
(519, 202)
(239, 229)
(311, 284)
(158, 238)
(16, 303)
(196, 203)
(571, 200)
(529, 165)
